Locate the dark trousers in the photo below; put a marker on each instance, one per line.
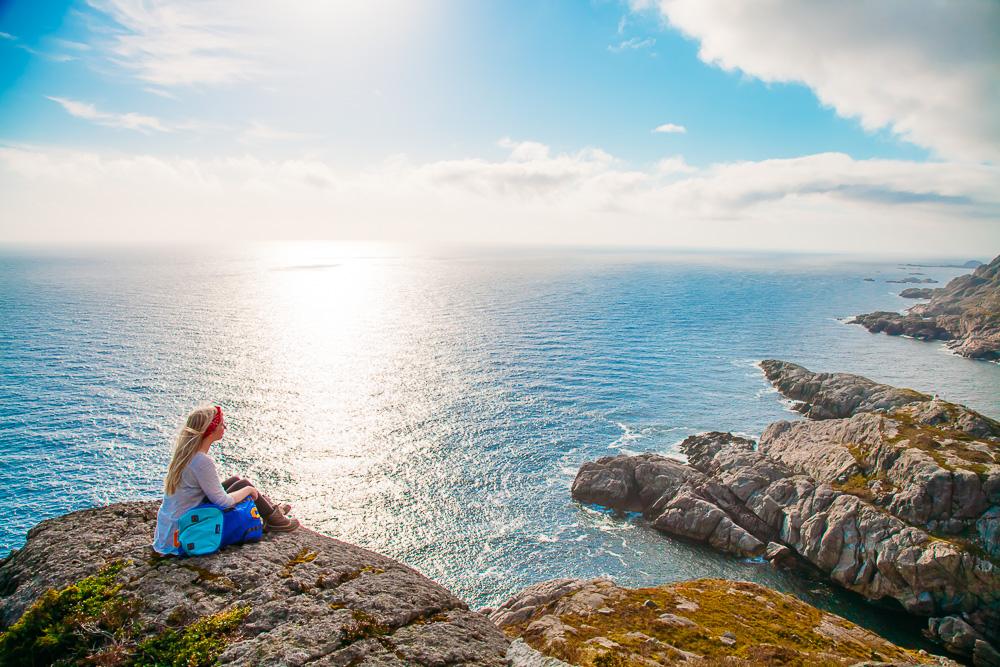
(265, 506)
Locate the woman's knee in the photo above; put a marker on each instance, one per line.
(241, 483)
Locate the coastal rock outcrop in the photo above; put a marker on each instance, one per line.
(889, 492)
(965, 312)
(917, 293)
(834, 395)
(89, 585)
(595, 622)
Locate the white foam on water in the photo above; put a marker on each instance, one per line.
(766, 391)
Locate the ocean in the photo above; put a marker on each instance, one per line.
(433, 404)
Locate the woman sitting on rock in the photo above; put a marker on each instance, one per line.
(192, 480)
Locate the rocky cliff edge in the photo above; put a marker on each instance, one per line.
(86, 589)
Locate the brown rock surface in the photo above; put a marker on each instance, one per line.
(595, 622)
(312, 599)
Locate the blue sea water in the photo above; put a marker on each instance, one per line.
(432, 405)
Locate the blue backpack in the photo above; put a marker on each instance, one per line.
(206, 528)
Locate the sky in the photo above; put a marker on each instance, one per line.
(819, 126)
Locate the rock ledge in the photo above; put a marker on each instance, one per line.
(298, 598)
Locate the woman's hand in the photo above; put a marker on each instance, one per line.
(246, 492)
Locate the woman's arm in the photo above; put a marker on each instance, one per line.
(240, 494)
(208, 480)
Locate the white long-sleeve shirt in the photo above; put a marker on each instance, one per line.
(199, 481)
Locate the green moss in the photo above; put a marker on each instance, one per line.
(72, 622)
(856, 485)
(936, 441)
(858, 453)
(197, 645)
(611, 660)
(93, 622)
(979, 469)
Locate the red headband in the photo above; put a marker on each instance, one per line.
(216, 420)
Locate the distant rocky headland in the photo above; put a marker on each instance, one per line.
(888, 492)
(971, 264)
(965, 312)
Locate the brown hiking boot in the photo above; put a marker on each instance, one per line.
(279, 523)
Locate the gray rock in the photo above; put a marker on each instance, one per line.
(956, 635)
(521, 655)
(917, 293)
(730, 488)
(777, 552)
(306, 591)
(988, 529)
(675, 621)
(834, 395)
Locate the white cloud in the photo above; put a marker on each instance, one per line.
(70, 44)
(670, 128)
(159, 92)
(927, 70)
(47, 55)
(258, 132)
(674, 165)
(827, 202)
(171, 43)
(128, 121)
(632, 44)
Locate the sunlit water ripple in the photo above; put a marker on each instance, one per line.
(432, 406)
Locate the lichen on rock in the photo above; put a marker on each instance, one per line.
(595, 623)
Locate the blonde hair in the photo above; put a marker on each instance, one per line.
(187, 445)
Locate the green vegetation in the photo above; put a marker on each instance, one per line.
(857, 485)
(770, 629)
(73, 622)
(949, 447)
(197, 645)
(93, 622)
